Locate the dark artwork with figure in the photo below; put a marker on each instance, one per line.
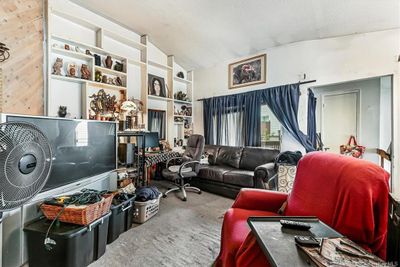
(156, 86)
(247, 72)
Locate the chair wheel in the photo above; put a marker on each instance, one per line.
(199, 193)
(184, 199)
(164, 195)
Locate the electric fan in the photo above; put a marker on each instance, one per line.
(25, 163)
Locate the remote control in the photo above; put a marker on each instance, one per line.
(307, 241)
(295, 225)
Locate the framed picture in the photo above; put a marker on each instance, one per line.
(157, 86)
(248, 72)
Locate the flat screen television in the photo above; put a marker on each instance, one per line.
(81, 148)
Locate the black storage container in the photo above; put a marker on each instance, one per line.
(121, 219)
(74, 245)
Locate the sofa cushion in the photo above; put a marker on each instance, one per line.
(239, 177)
(212, 152)
(252, 157)
(215, 173)
(229, 156)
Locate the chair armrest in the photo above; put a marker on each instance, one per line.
(194, 162)
(259, 199)
(263, 173)
(172, 159)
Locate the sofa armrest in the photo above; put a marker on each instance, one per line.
(263, 173)
(259, 199)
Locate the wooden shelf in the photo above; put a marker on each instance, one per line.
(182, 80)
(182, 102)
(110, 71)
(124, 40)
(70, 53)
(68, 79)
(182, 116)
(93, 49)
(108, 86)
(136, 62)
(159, 98)
(76, 20)
(158, 65)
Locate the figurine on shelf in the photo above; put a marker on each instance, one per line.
(180, 75)
(104, 79)
(66, 47)
(71, 69)
(62, 111)
(118, 81)
(87, 52)
(110, 81)
(97, 76)
(85, 72)
(97, 60)
(108, 62)
(118, 66)
(78, 49)
(58, 66)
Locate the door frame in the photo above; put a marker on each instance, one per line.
(358, 110)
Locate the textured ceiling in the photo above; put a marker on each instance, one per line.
(203, 33)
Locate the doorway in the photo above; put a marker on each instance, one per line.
(334, 131)
(362, 108)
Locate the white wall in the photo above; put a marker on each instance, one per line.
(329, 61)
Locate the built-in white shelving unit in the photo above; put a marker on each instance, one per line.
(137, 59)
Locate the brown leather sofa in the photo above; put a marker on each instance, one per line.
(233, 168)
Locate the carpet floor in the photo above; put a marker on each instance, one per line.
(181, 234)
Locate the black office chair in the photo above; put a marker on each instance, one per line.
(190, 164)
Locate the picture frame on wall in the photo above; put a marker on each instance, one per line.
(156, 86)
(249, 71)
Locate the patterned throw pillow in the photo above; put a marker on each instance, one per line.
(286, 175)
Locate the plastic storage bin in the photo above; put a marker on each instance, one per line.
(74, 245)
(121, 219)
(143, 211)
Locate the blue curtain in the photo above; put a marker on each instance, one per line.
(311, 120)
(282, 100)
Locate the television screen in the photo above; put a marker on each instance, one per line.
(81, 148)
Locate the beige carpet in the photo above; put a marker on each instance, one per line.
(181, 234)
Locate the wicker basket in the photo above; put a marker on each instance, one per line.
(82, 215)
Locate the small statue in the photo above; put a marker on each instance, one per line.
(118, 66)
(110, 81)
(71, 70)
(108, 62)
(104, 79)
(118, 81)
(85, 72)
(62, 111)
(97, 76)
(66, 47)
(58, 66)
(88, 52)
(78, 49)
(97, 60)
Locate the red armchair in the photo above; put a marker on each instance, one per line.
(348, 194)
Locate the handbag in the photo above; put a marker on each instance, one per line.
(352, 148)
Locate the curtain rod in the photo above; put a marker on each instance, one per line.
(310, 81)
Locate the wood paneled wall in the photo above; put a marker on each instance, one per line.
(21, 29)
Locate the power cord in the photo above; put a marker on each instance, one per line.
(88, 196)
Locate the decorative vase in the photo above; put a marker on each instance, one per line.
(108, 62)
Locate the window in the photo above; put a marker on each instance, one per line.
(270, 129)
(229, 129)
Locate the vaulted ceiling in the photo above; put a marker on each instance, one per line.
(203, 33)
